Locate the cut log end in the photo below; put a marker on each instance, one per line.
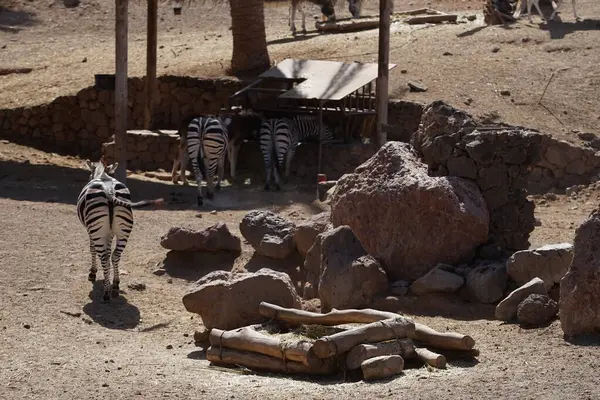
(382, 367)
(431, 358)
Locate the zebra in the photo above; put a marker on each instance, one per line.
(327, 8)
(104, 208)
(207, 145)
(279, 138)
(270, 130)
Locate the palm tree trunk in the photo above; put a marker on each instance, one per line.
(249, 38)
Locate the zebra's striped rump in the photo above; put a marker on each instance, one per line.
(207, 144)
(274, 144)
(104, 208)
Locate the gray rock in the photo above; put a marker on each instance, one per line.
(437, 281)
(227, 300)
(487, 282)
(349, 277)
(307, 232)
(549, 263)
(399, 288)
(417, 86)
(536, 310)
(269, 234)
(507, 309)
(212, 239)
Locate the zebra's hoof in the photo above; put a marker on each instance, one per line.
(267, 188)
(200, 202)
(218, 187)
(106, 297)
(304, 32)
(92, 277)
(278, 188)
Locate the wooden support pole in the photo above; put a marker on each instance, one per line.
(151, 44)
(383, 76)
(121, 89)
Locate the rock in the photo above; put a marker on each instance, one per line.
(399, 288)
(201, 336)
(580, 287)
(227, 300)
(549, 263)
(443, 219)
(437, 281)
(307, 232)
(71, 3)
(505, 92)
(416, 86)
(269, 234)
(507, 309)
(312, 264)
(349, 277)
(487, 282)
(490, 252)
(471, 17)
(139, 286)
(214, 238)
(586, 136)
(536, 310)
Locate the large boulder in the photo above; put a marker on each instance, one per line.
(487, 283)
(549, 263)
(349, 278)
(270, 235)
(407, 219)
(312, 264)
(506, 310)
(227, 300)
(536, 310)
(213, 238)
(580, 287)
(438, 280)
(307, 232)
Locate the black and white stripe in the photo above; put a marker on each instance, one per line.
(104, 208)
(271, 131)
(207, 145)
(301, 127)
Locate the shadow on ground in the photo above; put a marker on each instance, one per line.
(117, 314)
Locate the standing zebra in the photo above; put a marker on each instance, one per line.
(104, 208)
(280, 137)
(207, 145)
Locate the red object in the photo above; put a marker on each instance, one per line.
(321, 178)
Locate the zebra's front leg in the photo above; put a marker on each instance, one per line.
(116, 258)
(276, 177)
(94, 267)
(303, 19)
(184, 159)
(293, 19)
(221, 171)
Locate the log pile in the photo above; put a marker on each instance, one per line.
(377, 343)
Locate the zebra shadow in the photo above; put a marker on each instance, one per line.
(117, 314)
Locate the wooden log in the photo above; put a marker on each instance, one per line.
(432, 19)
(261, 362)
(358, 354)
(424, 334)
(335, 317)
(443, 340)
(382, 367)
(431, 358)
(347, 26)
(247, 339)
(339, 343)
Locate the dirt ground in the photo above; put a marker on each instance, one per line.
(58, 341)
(460, 63)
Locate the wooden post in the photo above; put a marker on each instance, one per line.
(382, 79)
(121, 89)
(151, 64)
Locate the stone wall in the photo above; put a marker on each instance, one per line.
(404, 118)
(79, 124)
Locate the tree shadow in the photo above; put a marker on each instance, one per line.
(193, 265)
(436, 305)
(292, 39)
(11, 19)
(471, 32)
(117, 314)
(292, 265)
(559, 29)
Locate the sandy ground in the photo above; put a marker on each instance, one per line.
(66, 47)
(58, 340)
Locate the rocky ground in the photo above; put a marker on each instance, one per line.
(59, 341)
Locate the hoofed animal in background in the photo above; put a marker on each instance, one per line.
(279, 138)
(207, 145)
(355, 7)
(104, 207)
(269, 131)
(536, 3)
(327, 8)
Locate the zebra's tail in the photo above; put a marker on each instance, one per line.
(143, 203)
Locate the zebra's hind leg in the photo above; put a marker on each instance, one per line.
(105, 262)
(94, 267)
(116, 258)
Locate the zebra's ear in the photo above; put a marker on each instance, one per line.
(112, 168)
(90, 165)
